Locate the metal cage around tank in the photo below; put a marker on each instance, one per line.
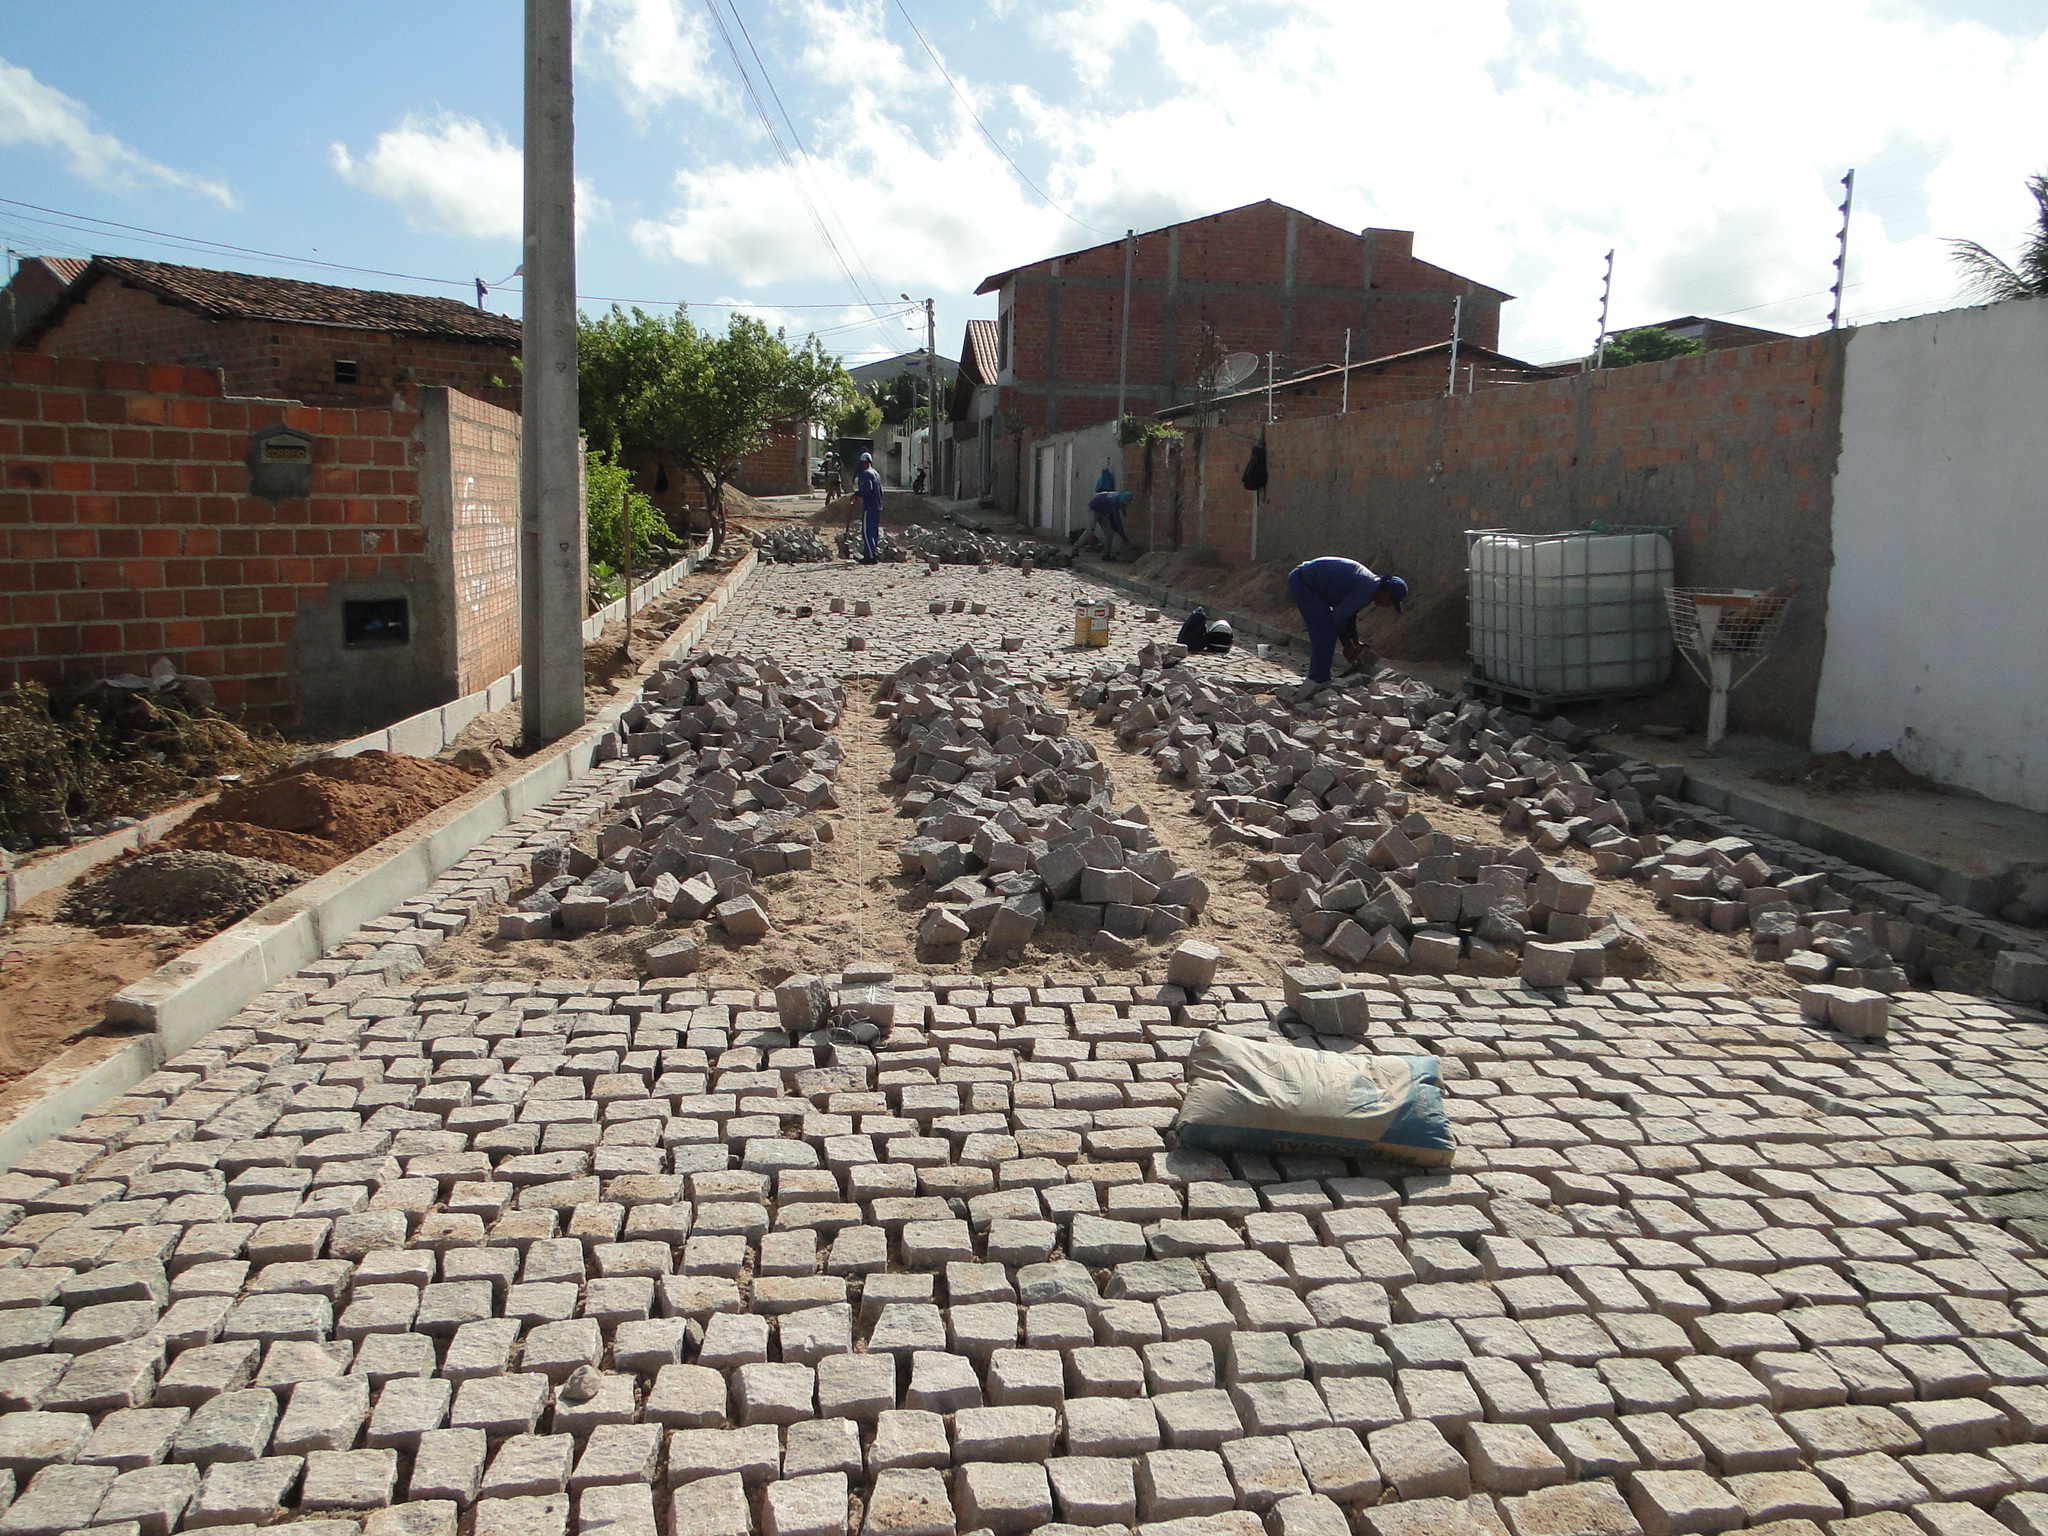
(1569, 615)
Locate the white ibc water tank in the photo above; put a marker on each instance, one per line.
(1564, 615)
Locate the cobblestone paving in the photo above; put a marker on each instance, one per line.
(1038, 609)
(637, 1259)
(646, 1259)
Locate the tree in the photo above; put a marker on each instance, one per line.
(1991, 279)
(1648, 344)
(858, 418)
(701, 400)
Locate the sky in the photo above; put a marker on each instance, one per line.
(812, 160)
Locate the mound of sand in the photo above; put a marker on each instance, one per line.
(320, 813)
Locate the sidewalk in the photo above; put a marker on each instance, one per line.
(1975, 853)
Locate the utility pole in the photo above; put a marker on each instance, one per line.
(1457, 325)
(931, 415)
(1123, 351)
(552, 576)
(1606, 291)
(1346, 403)
(1842, 251)
(1269, 388)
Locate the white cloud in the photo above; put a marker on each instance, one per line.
(449, 173)
(659, 52)
(1519, 140)
(34, 113)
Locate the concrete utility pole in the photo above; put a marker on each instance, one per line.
(1457, 326)
(552, 577)
(931, 415)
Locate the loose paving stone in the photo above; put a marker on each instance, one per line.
(924, 1245)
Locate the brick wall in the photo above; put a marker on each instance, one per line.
(1265, 278)
(483, 537)
(1734, 450)
(273, 359)
(127, 533)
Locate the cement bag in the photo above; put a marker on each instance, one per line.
(1246, 1096)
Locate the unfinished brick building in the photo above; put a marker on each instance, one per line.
(1261, 278)
(278, 338)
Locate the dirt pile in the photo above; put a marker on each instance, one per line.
(66, 767)
(1843, 773)
(178, 888)
(320, 813)
(1433, 628)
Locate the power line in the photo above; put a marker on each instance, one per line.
(994, 142)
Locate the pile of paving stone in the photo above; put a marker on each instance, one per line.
(1016, 828)
(1313, 781)
(960, 546)
(741, 757)
(792, 544)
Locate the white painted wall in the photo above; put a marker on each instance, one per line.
(1068, 464)
(1937, 632)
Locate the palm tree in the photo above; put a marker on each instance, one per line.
(1989, 278)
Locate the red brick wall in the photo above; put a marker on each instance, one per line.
(483, 476)
(271, 359)
(126, 530)
(1735, 451)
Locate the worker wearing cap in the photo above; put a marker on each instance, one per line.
(868, 486)
(1330, 591)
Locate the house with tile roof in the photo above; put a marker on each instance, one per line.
(278, 337)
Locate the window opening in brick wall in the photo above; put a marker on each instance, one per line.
(346, 372)
(375, 621)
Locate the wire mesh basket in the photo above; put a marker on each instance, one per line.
(1708, 619)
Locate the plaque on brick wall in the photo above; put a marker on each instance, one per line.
(280, 463)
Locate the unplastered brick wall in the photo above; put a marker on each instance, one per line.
(127, 532)
(483, 472)
(275, 359)
(1734, 452)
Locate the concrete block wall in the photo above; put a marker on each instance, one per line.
(127, 533)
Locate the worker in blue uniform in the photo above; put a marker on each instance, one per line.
(1330, 591)
(868, 486)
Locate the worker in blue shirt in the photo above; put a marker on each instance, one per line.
(1329, 592)
(868, 486)
(1106, 512)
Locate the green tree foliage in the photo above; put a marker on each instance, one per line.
(1990, 279)
(1648, 344)
(608, 501)
(695, 398)
(858, 418)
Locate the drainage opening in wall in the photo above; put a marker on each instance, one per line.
(375, 621)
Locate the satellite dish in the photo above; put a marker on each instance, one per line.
(1231, 372)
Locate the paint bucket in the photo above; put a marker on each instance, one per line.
(1091, 623)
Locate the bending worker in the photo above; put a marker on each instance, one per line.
(1106, 512)
(868, 486)
(1329, 592)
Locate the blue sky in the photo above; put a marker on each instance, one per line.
(1520, 139)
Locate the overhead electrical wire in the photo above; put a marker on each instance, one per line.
(995, 143)
(783, 154)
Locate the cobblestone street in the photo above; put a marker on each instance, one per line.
(489, 1253)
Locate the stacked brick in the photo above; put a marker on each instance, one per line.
(742, 759)
(1016, 829)
(531, 1257)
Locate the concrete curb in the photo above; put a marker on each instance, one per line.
(183, 999)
